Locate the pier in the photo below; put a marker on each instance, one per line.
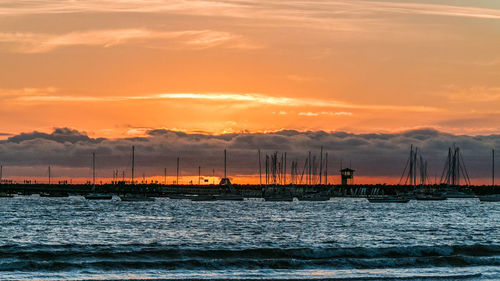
(247, 191)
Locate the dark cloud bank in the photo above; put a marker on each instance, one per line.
(370, 154)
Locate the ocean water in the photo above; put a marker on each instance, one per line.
(341, 239)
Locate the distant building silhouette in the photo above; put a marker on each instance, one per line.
(347, 175)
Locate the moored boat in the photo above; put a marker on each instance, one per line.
(489, 198)
(457, 194)
(5, 195)
(179, 196)
(277, 194)
(430, 196)
(228, 191)
(388, 199)
(278, 198)
(315, 196)
(98, 196)
(203, 197)
(54, 194)
(229, 197)
(94, 195)
(135, 198)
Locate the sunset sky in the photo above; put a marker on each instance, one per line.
(119, 69)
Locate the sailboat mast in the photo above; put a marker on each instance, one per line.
(309, 169)
(49, 174)
(492, 167)
(320, 165)
(133, 163)
(284, 172)
(177, 180)
(260, 171)
(225, 175)
(326, 168)
(93, 170)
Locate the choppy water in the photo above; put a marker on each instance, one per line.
(342, 239)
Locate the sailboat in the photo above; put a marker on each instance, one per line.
(388, 199)
(383, 198)
(94, 195)
(489, 198)
(456, 193)
(53, 194)
(202, 197)
(2, 193)
(5, 195)
(277, 194)
(315, 195)
(135, 197)
(430, 195)
(228, 192)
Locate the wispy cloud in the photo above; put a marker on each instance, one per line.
(478, 94)
(434, 9)
(107, 6)
(26, 92)
(40, 43)
(325, 113)
(240, 99)
(250, 9)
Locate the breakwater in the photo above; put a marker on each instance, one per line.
(247, 191)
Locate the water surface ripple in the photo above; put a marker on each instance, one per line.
(342, 239)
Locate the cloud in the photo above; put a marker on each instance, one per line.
(26, 92)
(434, 9)
(348, 20)
(479, 94)
(41, 43)
(240, 99)
(328, 113)
(371, 155)
(61, 135)
(251, 9)
(107, 6)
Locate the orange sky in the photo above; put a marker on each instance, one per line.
(118, 68)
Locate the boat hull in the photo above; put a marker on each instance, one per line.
(203, 198)
(276, 199)
(314, 197)
(54, 195)
(388, 200)
(430, 198)
(179, 196)
(229, 198)
(490, 198)
(98, 197)
(136, 199)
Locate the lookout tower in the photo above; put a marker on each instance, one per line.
(347, 175)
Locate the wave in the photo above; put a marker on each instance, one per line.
(123, 257)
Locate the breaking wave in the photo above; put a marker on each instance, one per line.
(153, 256)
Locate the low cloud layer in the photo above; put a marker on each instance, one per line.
(371, 155)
